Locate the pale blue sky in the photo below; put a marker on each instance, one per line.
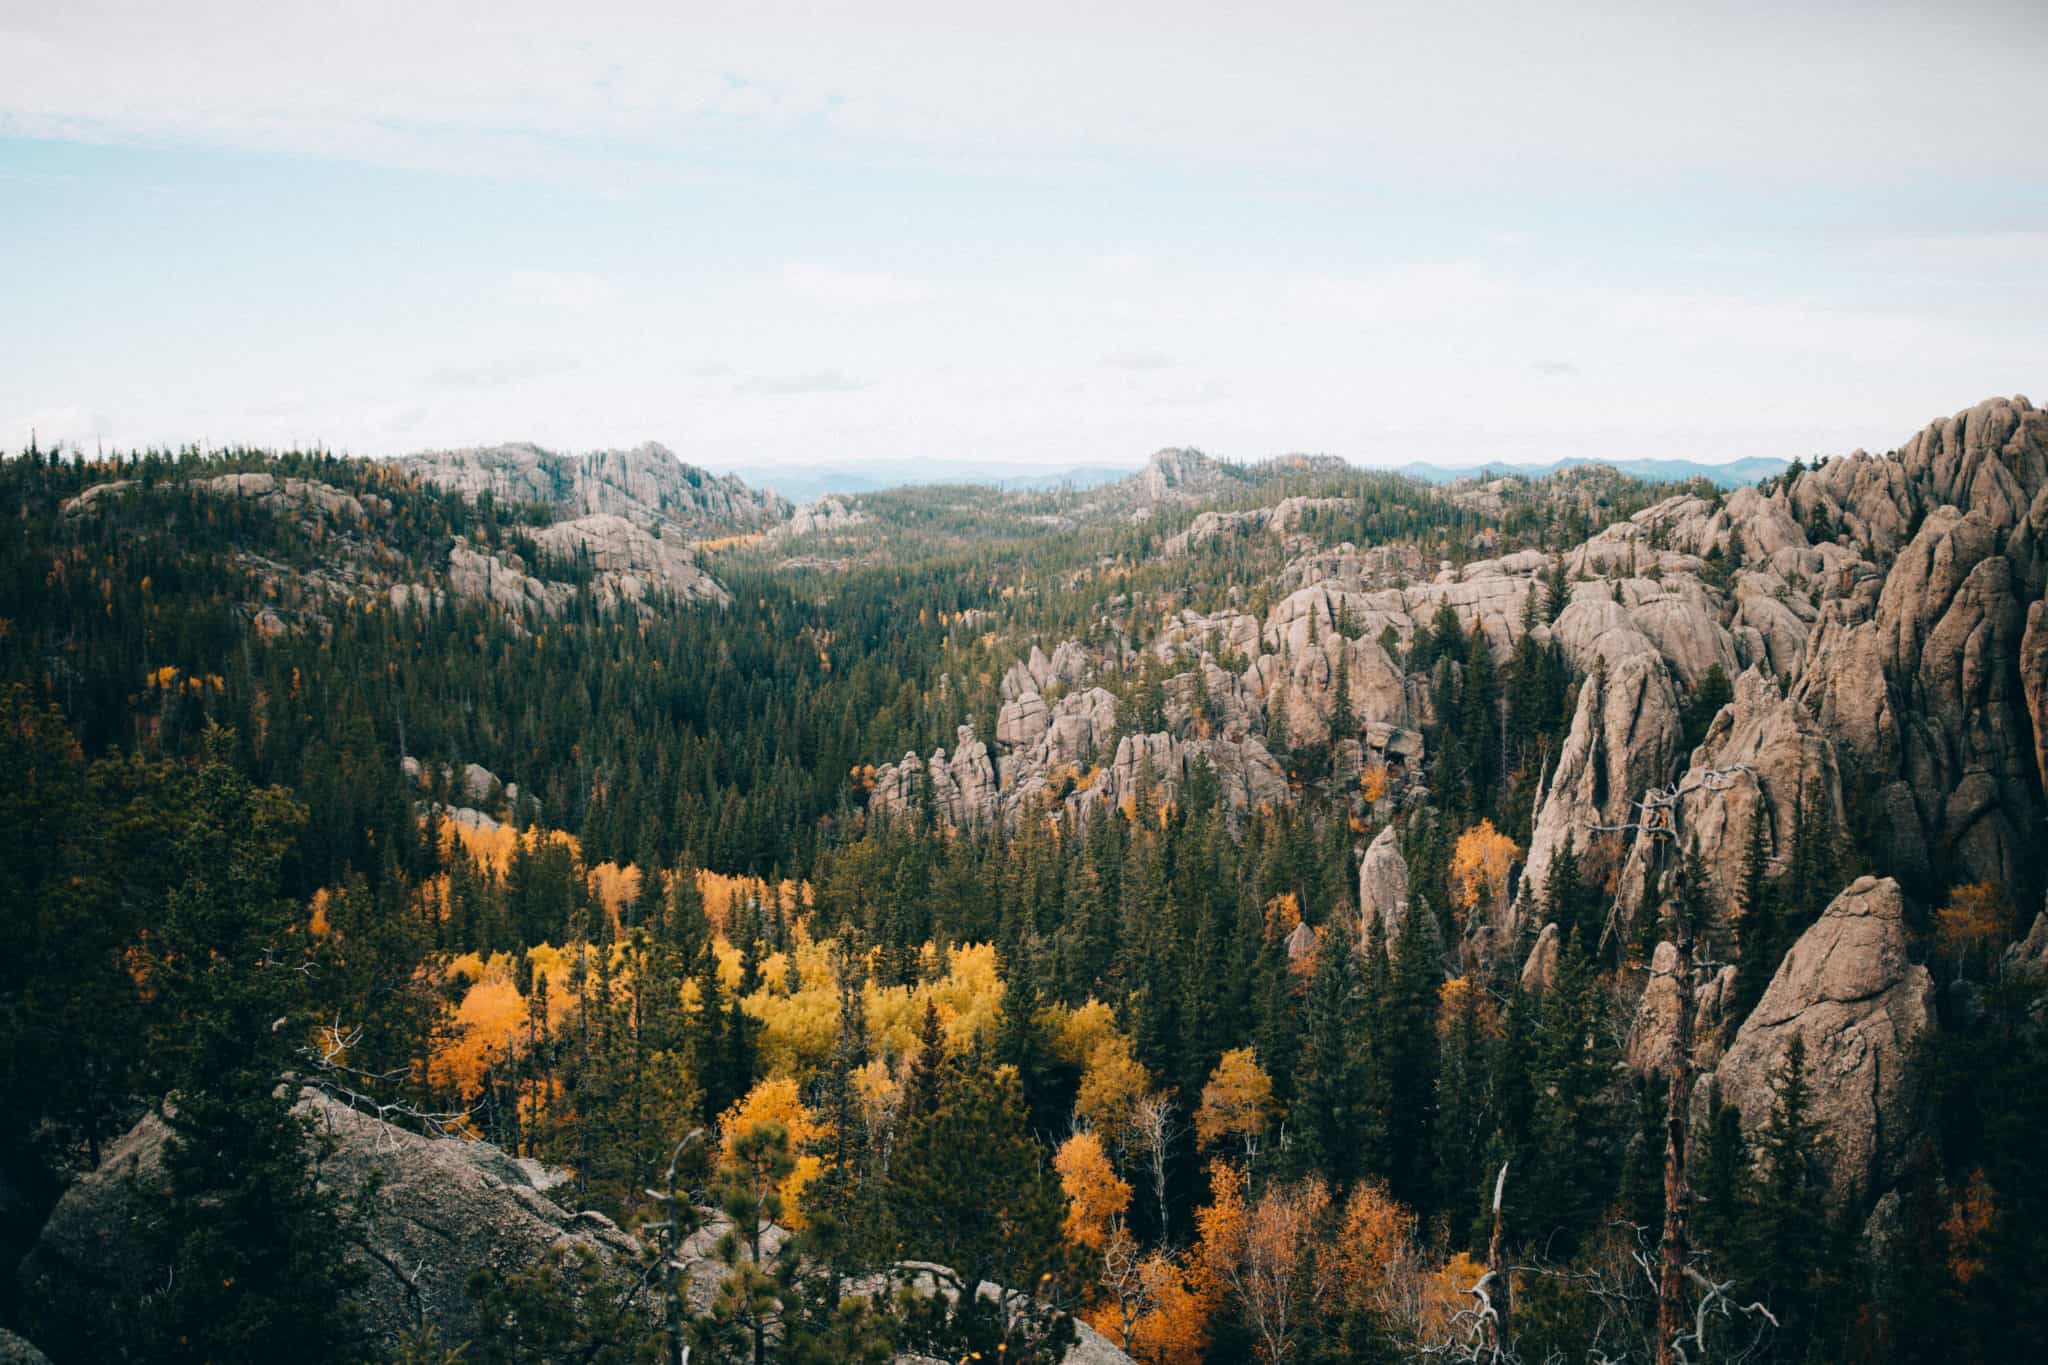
(801, 233)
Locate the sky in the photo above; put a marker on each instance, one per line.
(1038, 236)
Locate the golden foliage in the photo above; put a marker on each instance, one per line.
(1237, 1102)
(1376, 1232)
(1373, 783)
(1220, 1227)
(1075, 1032)
(1456, 996)
(1111, 1086)
(1154, 1310)
(1444, 1293)
(1283, 912)
(1977, 919)
(800, 1027)
(1096, 1195)
(491, 849)
(1480, 864)
(777, 1101)
(491, 1024)
(969, 998)
(722, 893)
(614, 889)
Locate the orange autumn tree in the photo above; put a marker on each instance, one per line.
(1151, 1305)
(1096, 1196)
(1263, 1257)
(1479, 867)
(1375, 1237)
(1977, 920)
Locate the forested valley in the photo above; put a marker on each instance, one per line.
(502, 907)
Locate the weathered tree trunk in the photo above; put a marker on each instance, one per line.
(1497, 1271)
(1671, 1314)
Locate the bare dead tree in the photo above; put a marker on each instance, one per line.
(1156, 1126)
(1123, 1275)
(1659, 820)
(680, 1206)
(329, 1072)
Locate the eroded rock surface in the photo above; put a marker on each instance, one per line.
(441, 1210)
(1849, 990)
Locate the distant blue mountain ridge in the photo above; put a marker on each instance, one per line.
(804, 483)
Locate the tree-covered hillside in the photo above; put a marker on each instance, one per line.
(1239, 913)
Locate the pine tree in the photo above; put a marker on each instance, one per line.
(1412, 1062)
(1570, 1122)
(1758, 943)
(971, 1191)
(247, 1246)
(1785, 1240)
(1722, 1168)
(1329, 1103)
(1343, 720)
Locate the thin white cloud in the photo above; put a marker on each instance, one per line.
(500, 373)
(1139, 361)
(1333, 83)
(851, 288)
(566, 291)
(795, 385)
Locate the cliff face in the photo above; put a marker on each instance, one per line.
(646, 485)
(1881, 618)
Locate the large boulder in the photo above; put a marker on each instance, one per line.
(439, 1210)
(1383, 887)
(15, 1351)
(1850, 992)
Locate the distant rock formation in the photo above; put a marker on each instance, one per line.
(646, 485)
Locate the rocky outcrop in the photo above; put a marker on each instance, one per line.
(1383, 898)
(15, 1351)
(1930, 694)
(1280, 518)
(646, 485)
(2034, 683)
(1849, 990)
(627, 566)
(631, 564)
(1541, 967)
(1770, 756)
(1993, 459)
(1038, 672)
(1656, 1019)
(1306, 683)
(827, 515)
(306, 499)
(1624, 738)
(1382, 887)
(1173, 474)
(2028, 958)
(440, 1210)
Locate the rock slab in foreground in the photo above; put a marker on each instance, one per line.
(444, 1208)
